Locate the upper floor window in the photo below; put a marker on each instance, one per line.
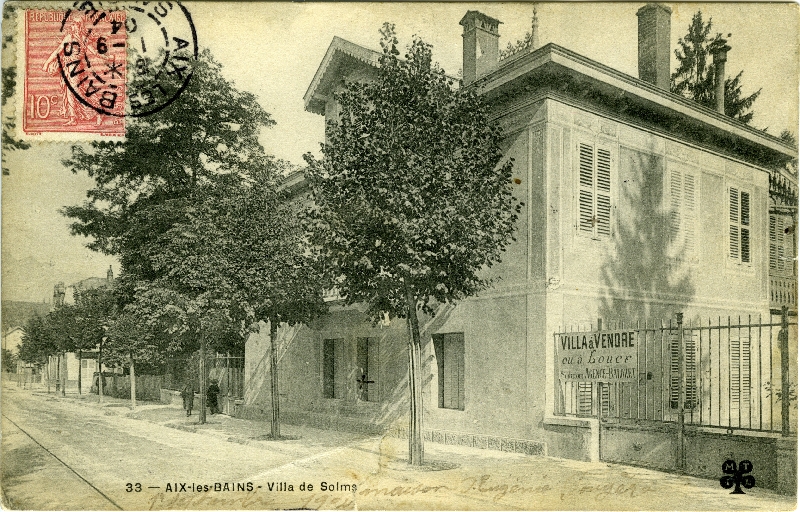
(594, 190)
(781, 244)
(682, 219)
(739, 225)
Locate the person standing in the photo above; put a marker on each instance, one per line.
(187, 393)
(211, 394)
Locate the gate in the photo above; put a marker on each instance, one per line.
(726, 375)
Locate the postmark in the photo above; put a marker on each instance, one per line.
(91, 65)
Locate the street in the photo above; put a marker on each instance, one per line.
(73, 453)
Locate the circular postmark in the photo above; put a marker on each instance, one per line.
(127, 58)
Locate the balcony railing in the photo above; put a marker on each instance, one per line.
(782, 292)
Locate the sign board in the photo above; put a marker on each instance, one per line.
(605, 356)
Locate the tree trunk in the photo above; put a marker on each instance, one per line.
(80, 371)
(273, 369)
(133, 381)
(202, 379)
(63, 375)
(416, 448)
(100, 373)
(49, 372)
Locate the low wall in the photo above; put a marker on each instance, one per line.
(655, 446)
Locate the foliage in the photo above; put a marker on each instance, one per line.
(412, 199)
(410, 193)
(153, 206)
(9, 76)
(144, 184)
(37, 341)
(9, 361)
(696, 74)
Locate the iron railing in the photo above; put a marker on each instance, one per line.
(733, 375)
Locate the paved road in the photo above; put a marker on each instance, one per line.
(69, 454)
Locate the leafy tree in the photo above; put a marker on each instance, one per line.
(37, 341)
(144, 184)
(412, 200)
(696, 74)
(151, 183)
(239, 256)
(9, 84)
(9, 361)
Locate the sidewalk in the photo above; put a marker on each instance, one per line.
(454, 477)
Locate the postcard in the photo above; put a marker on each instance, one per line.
(391, 256)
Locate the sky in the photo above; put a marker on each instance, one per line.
(274, 49)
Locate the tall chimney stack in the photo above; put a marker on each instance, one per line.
(481, 45)
(720, 54)
(654, 44)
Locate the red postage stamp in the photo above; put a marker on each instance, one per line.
(75, 70)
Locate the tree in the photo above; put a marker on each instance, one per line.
(239, 256)
(412, 199)
(696, 74)
(9, 85)
(149, 183)
(9, 361)
(144, 184)
(37, 341)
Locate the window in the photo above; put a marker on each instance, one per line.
(594, 190)
(84, 363)
(681, 214)
(781, 244)
(690, 370)
(740, 371)
(450, 361)
(367, 367)
(739, 225)
(333, 368)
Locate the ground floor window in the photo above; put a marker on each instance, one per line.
(333, 368)
(367, 364)
(449, 350)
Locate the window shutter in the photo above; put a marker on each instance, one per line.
(773, 243)
(689, 213)
(584, 398)
(603, 192)
(586, 189)
(675, 207)
(690, 370)
(734, 223)
(328, 369)
(740, 371)
(373, 372)
(780, 242)
(745, 230)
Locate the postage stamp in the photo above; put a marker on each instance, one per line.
(81, 79)
(399, 256)
(74, 72)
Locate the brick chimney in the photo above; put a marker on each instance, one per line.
(720, 53)
(481, 45)
(654, 44)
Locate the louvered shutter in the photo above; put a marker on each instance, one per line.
(689, 214)
(773, 242)
(690, 370)
(373, 371)
(734, 223)
(603, 191)
(586, 188)
(740, 371)
(781, 253)
(674, 207)
(584, 398)
(744, 230)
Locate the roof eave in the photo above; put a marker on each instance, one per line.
(555, 55)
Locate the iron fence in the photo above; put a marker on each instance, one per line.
(735, 374)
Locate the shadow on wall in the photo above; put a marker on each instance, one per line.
(648, 277)
(257, 385)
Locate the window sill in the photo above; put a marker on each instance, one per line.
(569, 421)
